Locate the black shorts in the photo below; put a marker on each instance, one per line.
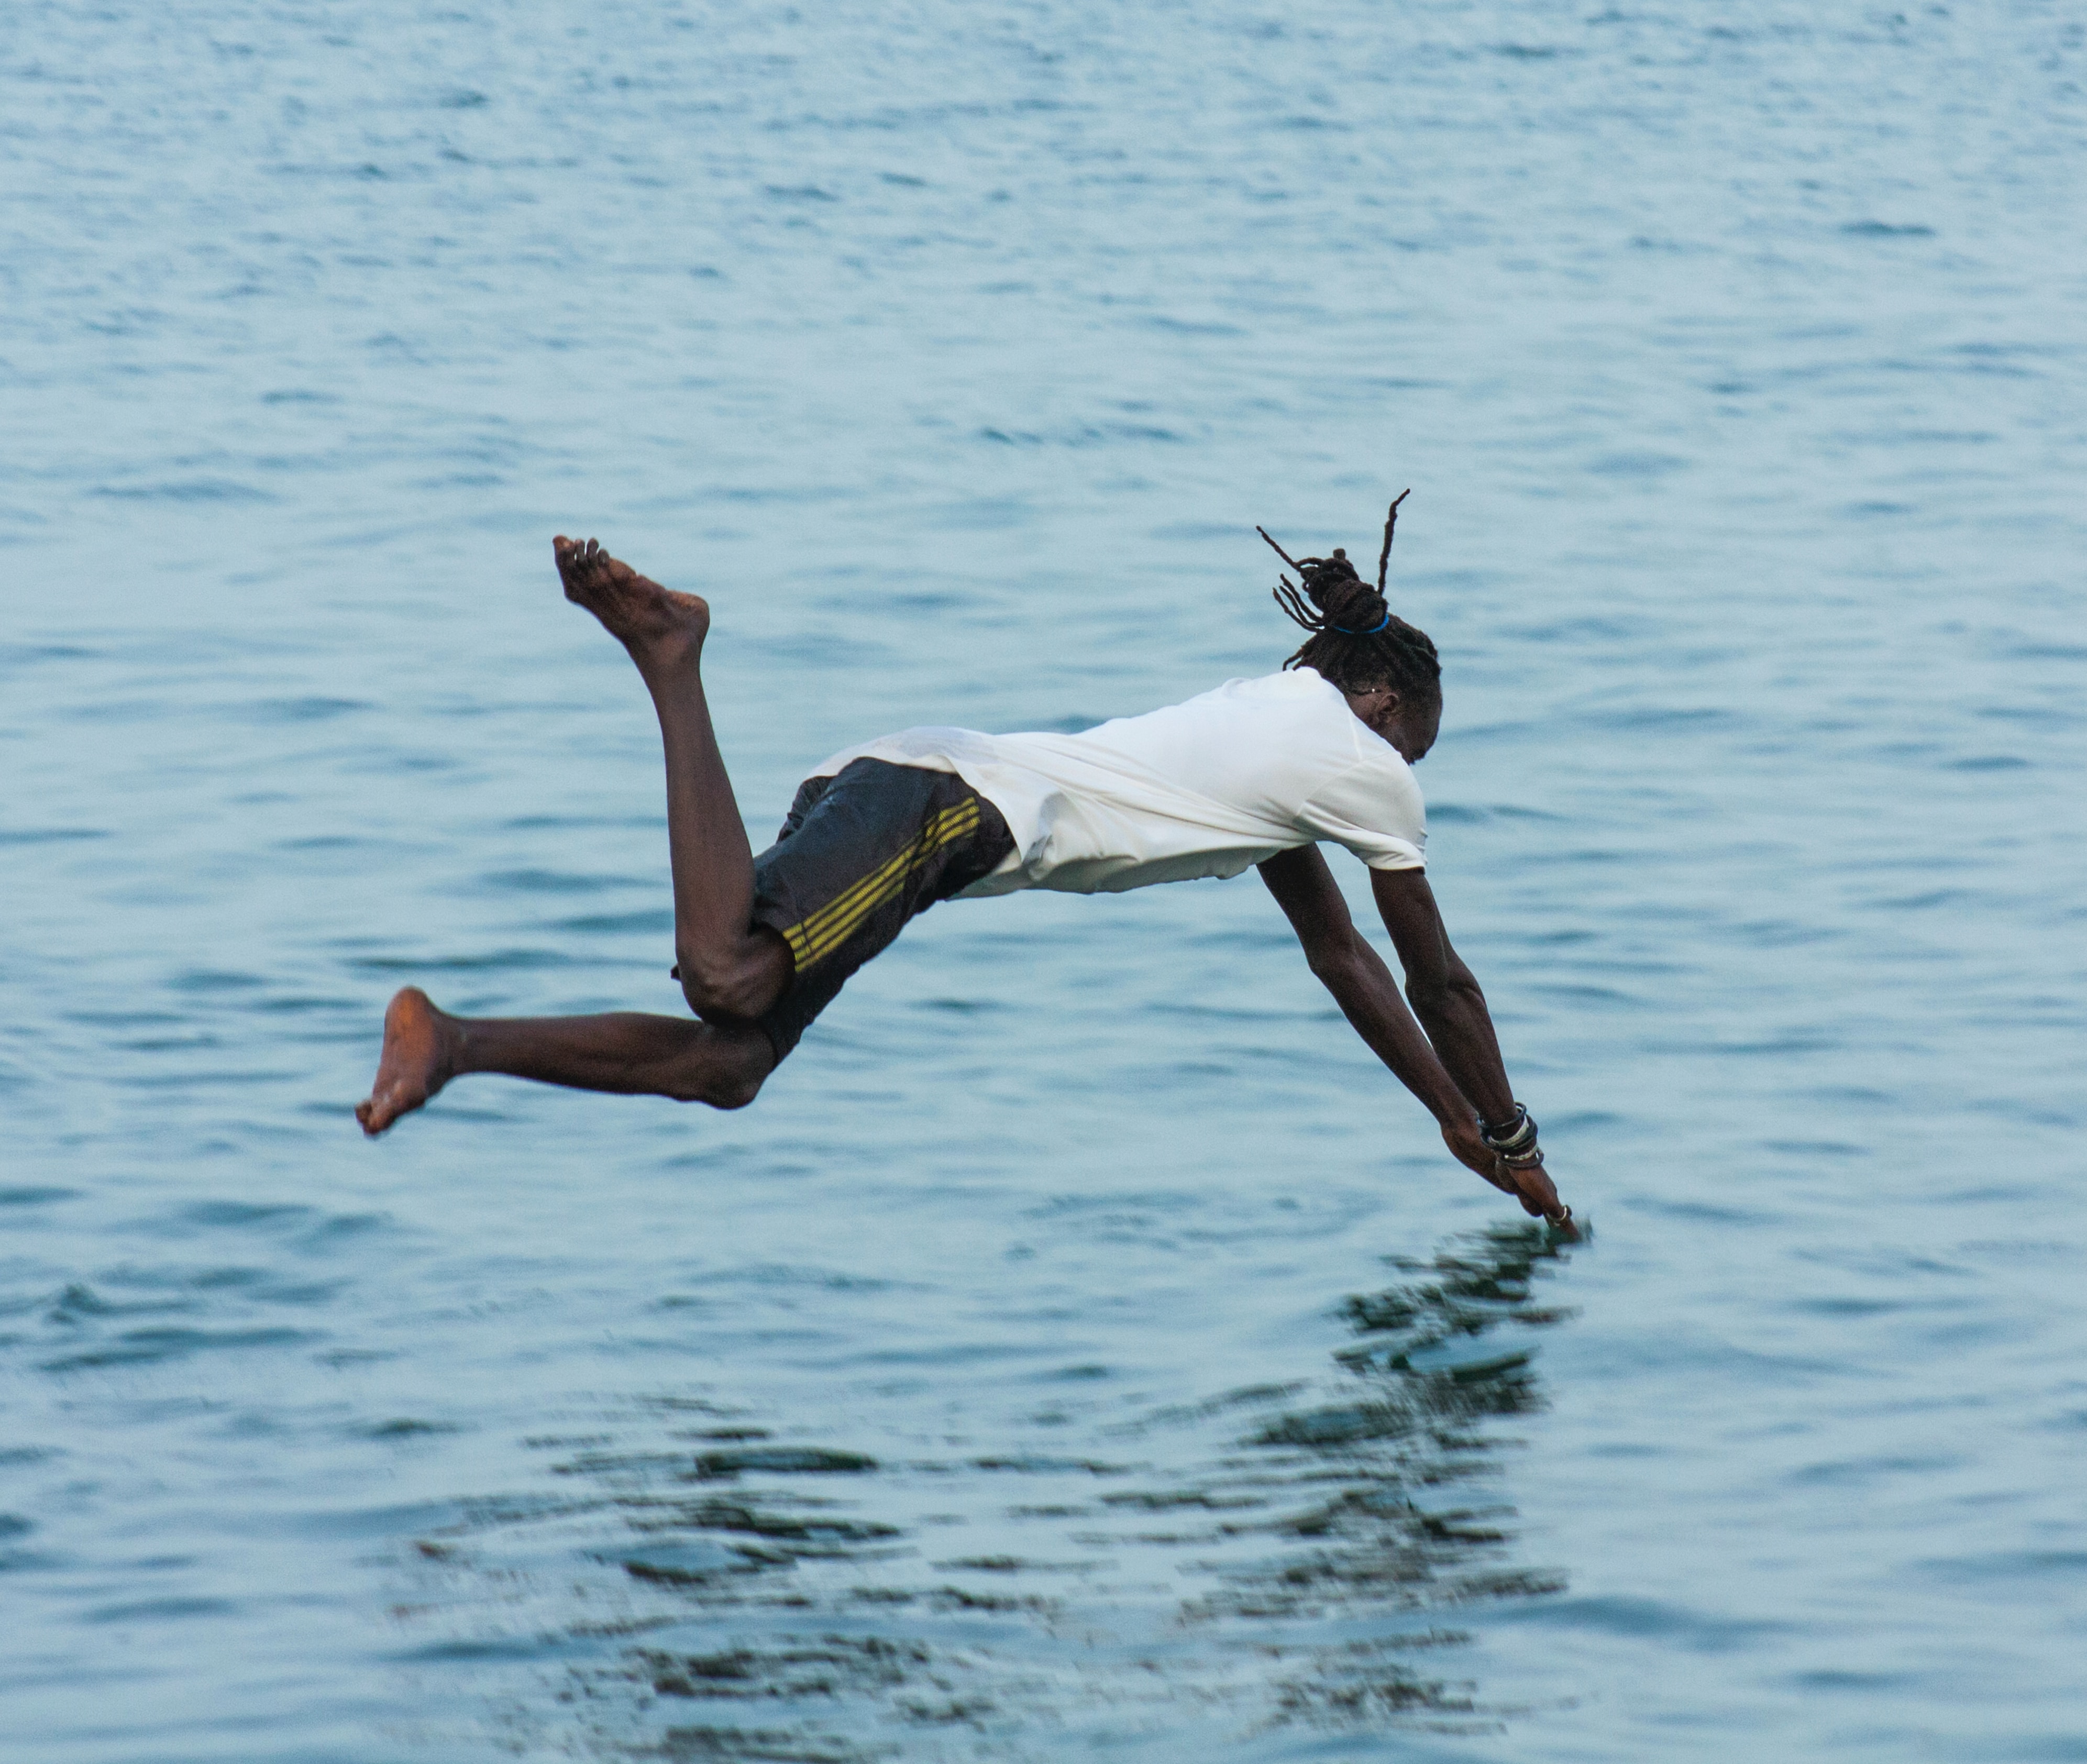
(859, 855)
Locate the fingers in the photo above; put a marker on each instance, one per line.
(1530, 1185)
(1539, 1197)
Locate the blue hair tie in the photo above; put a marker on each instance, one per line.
(1381, 625)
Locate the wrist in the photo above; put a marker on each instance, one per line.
(1512, 1138)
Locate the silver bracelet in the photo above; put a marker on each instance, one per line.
(1512, 1138)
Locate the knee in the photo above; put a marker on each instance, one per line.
(734, 990)
(705, 985)
(728, 1090)
(726, 1070)
(719, 1090)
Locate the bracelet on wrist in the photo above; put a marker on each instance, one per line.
(1512, 1137)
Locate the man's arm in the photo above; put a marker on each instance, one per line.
(1446, 998)
(1363, 987)
(1443, 993)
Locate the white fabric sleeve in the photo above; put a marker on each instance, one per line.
(1375, 811)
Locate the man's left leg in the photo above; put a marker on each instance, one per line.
(625, 1052)
(730, 967)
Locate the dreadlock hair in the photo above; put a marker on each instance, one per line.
(1357, 642)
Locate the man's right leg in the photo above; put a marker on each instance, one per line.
(626, 1051)
(732, 968)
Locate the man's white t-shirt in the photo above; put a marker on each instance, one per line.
(1203, 788)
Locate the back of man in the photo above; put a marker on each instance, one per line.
(1209, 787)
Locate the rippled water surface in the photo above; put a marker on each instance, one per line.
(1083, 1348)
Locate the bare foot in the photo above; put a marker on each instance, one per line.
(418, 1058)
(651, 621)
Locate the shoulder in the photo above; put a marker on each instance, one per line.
(1376, 789)
(1290, 685)
(1294, 692)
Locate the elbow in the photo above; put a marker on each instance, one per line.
(1439, 993)
(1426, 996)
(1335, 965)
(1430, 995)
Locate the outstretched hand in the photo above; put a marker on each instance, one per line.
(1528, 1184)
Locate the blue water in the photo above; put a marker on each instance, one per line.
(1083, 1348)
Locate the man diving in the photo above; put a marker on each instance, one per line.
(1259, 771)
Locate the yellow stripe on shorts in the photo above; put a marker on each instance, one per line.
(818, 935)
(900, 863)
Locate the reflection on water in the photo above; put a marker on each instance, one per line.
(1280, 1554)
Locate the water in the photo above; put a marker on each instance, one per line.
(1081, 1349)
